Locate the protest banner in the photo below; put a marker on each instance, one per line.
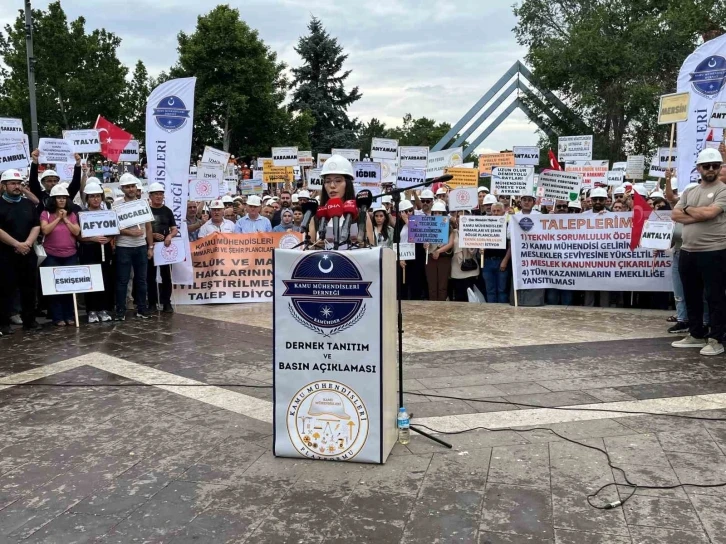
(13, 156)
(174, 253)
(483, 232)
(655, 169)
(233, 268)
(615, 179)
(389, 168)
(215, 156)
(584, 253)
(193, 171)
(278, 174)
(98, 223)
(130, 153)
(665, 155)
(512, 181)
(635, 167)
(211, 171)
(490, 160)
(55, 151)
(65, 171)
(463, 177)
(322, 157)
(592, 171)
(718, 116)
(384, 148)
(305, 159)
(315, 181)
(351, 154)
(673, 108)
(413, 157)
(526, 155)
(250, 187)
(440, 160)
(64, 280)
(574, 148)
(463, 199)
(619, 167)
(408, 177)
(428, 229)
(559, 185)
(284, 156)
(408, 251)
(367, 174)
(657, 234)
(135, 212)
(205, 189)
(84, 141)
(10, 125)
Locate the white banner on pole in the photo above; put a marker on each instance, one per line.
(322, 157)
(620, 167)
(84, 141)
(389, 168)
(408, 251)
(367, 174)
(574, 148)
(130, 153)
(526, 155)
(663, 157)
(592, 171)
(408, 177)
(483, 232)
(413, 156)
(559, 185)
(635, 167)
(284, 156)
(204, 189)
(657, 235)
(10, 125)
(463, 199)
(718, 115)
(216, 156)
(174, 253)
(55, 151)
(384, 148)
(169, 126)
(305, 158)
(64, 280)
(656, 170)
(615, 179)
(513, 180)
(132, 213)
(315, 181)
(584, 253)
(98, 223)
(441, 160)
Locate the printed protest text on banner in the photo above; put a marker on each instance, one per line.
(513, 181)
(483, 232)
(488, 161)
(55, 150)
(559, 185)
(574, 148)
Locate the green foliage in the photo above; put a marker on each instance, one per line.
(318, 88)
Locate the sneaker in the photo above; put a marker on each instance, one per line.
(93, 317)
(33, 325)
(5, 331)
(143, 314)
(104, 316)
(690, 342)
(714, 347)
(679, 328)
(168, 309)
(16, 319)
(120, 316)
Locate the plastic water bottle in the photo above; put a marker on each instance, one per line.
(404, 432)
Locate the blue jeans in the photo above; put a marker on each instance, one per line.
(681, 309)
(61, 306)
(495, 280)
(126, 259)
(553, 297)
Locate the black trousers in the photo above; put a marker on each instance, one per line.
(17, 272)
(702, 275)
(460, 287)
(164, 288)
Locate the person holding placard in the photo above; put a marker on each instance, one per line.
(496, 267)
(98, 250)
(60, 229)
(414, 286)
(49, 179)
(438, 267)
(464, 268)
(164, 231)
(382, 230)
(525, 297)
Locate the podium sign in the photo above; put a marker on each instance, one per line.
(334, 355)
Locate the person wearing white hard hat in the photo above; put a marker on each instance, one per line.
(228, 201)
(60, 229)
(486, 204)
(441, 194)
(253, 222)
(438, 267)
(217, 222)
(41, 187)
(164, 231)
(387, 203)
(525, 297)
(598, 199)
(424, 202)
(304, 197)
(703, 255)
(134, 249)
(97, 250)
(574, 206)
(481, 194)
(19, 229)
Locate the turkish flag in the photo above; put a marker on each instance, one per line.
(113, 138)
(641, 212)
(554, 165)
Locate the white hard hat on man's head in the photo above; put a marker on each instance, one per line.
(59, 190)
(304, 194)
(156, 188)
(386, 199)
(709, 155)
(640, 189)
(49, 174)
(575, 204)
(11, 175)
(598, 192)
(438, 206)
(226, 199)
(427, 193)
(254, 200)
(490, 199)
(337, 164)
(216, 205)
(482, 189)
(656, 195)
(440, 191)
(127, 179)
(93, 179)
(619, 190)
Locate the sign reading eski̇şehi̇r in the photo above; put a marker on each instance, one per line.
(334, 355)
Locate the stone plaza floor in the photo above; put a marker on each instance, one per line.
(159, 431)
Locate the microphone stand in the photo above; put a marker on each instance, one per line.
(396, 199)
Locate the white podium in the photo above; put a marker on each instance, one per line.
(335, 355)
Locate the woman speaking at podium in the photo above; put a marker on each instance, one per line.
(337, 176)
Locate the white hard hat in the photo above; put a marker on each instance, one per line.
(640, 189)
(619, 190)
(156, 188)
(266, 198)
(253, 200)
(427, 193)
(575, 204)
(59, 190)
(127, 179)
(482, 189)
(328, 404)
(217, 205)
(490, 199)
(93, 179)
(295, 198)
(93, 189)
(657, 194)
(438, 207)
(379, 209)
(599, 192)
(337, 164)
(304, 194)
(48, 174)
(226, 199)
(440, 191)
(709, 155)
(12, 175)
(386, 199)
(405, 205)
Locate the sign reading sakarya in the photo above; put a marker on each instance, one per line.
(574, 148)
(9, 125)
(673, 108)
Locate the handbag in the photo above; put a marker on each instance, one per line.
(467, 265)
(40, 252)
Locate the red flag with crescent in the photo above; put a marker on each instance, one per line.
(113, 138)
(641, 212)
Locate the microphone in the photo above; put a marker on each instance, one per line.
(335, 212)
(442, 179)
(364, 199)
(322, 214)
(351, 214)
(310, 209)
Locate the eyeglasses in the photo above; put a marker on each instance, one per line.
(620, 196)
(407, 211)
(427, 200)
(711, 166)
(333, 181)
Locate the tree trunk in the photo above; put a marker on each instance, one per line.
(227, 133)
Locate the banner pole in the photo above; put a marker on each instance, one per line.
(75, 309)
(670, 149)
(516, 300)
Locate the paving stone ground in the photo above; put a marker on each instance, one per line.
(89, 456)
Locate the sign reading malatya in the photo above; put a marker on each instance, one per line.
(483, 232)
(673, 108)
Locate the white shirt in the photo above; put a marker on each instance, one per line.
(209, 228)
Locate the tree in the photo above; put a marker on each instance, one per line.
(78, 75)
(240, 86)
(610, 61)
(373, 129)
(319, 89)
(422, 131)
